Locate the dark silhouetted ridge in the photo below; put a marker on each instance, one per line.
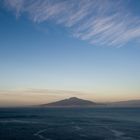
(130, 103)
(71, 102)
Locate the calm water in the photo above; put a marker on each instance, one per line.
(70, 124)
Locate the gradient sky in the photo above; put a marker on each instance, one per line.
(54, 49)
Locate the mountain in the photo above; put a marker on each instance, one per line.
(129, 103)
(71, 102)
(76, 102)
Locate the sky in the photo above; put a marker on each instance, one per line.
(55, 49)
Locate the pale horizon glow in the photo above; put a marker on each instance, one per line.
(30, 97)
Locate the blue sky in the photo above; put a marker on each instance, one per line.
(88, 49)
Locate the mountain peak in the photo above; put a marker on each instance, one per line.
(73, 98)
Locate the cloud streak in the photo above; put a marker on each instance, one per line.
(101, 23)
(57, 92)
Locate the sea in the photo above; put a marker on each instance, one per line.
(69, 123)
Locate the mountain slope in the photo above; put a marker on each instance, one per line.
(71, 102)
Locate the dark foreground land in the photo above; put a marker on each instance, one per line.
(70, 124)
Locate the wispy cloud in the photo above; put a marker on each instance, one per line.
(100, 22)
(46, 92)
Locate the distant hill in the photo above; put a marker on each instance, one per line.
(71, 102)
(130, 103)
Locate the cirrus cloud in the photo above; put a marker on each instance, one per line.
(103, 23)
